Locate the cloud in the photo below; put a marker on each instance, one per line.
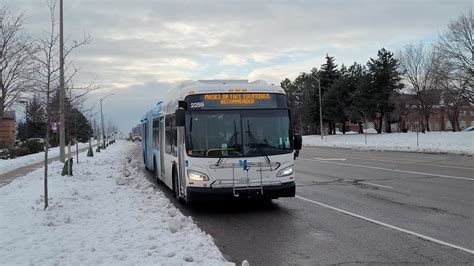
(275, 74)
(234, 60)
(138, 45)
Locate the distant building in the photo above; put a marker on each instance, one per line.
(410, 117)
(7, 128)
(439, 117)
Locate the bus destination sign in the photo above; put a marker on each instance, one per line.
(237, 98)
(236, 101)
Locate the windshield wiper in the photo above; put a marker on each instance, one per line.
(191, 131)
(232, 139)
(255, 143)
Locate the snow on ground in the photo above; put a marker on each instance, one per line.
(98, 216)
(12, 164)
(437, 142)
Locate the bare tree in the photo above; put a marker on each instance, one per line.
(110, 128)
(455, 96)
(47, 65)
(15, 58)
(424, 70)
(403, 110)
(457, 44)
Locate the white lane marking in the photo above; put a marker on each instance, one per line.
(434, 240)
(331, 159)
(363, 158)
(370, 184)
(376, 185)
(389, 169)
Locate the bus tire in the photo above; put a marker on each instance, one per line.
(144, 162)
(176, 188)
(155, 172)
(175, 183)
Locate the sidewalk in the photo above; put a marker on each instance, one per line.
(8, 177)
(107, 213)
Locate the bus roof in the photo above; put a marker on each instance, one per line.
(190, 87)
(209, 86)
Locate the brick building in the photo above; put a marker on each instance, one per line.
(7, 128)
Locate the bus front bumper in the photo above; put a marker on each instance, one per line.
(271, 192)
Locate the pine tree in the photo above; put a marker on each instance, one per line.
(77, 125)
(35, 125)
(294, 95)
(384, 80)
(306, 86)
(327, 76)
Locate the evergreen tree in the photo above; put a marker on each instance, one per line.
(294, 103)
(384, 80)
(306, 85)
(76, 127)
(327, 76)
(363, 104)
(338, 101)
(34, 125)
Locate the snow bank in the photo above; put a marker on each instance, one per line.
(98, 216)
(437, 142)
(12, 164)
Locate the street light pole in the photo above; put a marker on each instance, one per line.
(62, 131)
(102, 118)
(25, 102)
(320, 110)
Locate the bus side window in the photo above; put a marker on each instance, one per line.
(174, 134)
(156, 133)
(168, 134)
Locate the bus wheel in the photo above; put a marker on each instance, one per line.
(155, 172)
(175, 185)
(176, 189)
(144, 162)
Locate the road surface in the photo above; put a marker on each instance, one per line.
(354, 207)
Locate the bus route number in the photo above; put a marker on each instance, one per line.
(197, 105)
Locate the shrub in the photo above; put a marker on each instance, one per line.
(18, 151)
(34, 146)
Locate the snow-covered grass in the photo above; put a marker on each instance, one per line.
(436, 142)
(98, 216)
(12, 164)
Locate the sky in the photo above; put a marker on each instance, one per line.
(141, 49)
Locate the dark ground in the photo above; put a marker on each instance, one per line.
(297, 232)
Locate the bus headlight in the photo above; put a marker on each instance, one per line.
(197, 176)
(285, 171)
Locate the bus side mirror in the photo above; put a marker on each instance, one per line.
(179, 117)
(297, 142)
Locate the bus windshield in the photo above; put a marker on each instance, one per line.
(238, 133)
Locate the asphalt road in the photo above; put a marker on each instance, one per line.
(354, 207)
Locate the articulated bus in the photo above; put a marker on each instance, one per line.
(215, 139)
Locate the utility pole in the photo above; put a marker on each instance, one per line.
(102, 118)
(320, 110)
(102, 122)
(62, 131)
(25, 102)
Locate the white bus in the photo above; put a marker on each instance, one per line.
(215, 139)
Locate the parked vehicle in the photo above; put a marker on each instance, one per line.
(4, 154)
(39, 140)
